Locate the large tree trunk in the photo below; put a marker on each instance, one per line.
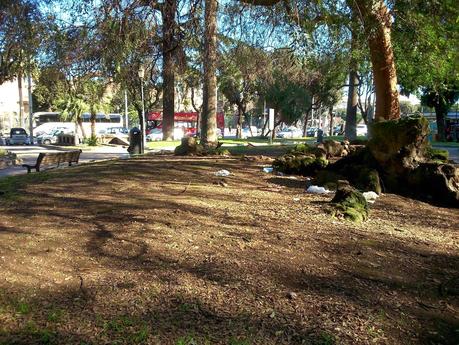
(330, 112)
(209, 107)
(80, 124)
(377, 22)
(240, 118)
(92, 119)
(350, 129)
(168, 13)
(305, 125)
(440, 114)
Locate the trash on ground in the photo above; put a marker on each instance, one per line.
(370, 197)
(222, 173)
(296, 199)
(317, 190)
(268, 170)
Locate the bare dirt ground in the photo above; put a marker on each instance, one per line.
(155, 251)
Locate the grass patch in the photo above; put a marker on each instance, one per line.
(154, 145)
(23, 308)
(55, 315)
(445, 143)
(11, 186)
(271, 150)
(3, 152)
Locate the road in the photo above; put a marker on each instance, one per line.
(29, 155)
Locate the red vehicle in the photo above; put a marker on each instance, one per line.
(185, 120)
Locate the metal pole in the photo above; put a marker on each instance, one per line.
(144, 124)
(29, 81)
(126, 119)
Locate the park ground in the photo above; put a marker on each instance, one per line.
(158, 250)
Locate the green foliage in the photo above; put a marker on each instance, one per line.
(21, 31)
(3, 153)
(23, 308)
(91, 141)
(437, 154)
(326, 338)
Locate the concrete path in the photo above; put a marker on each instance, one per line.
(29, 155)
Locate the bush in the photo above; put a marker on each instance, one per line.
(93, 141)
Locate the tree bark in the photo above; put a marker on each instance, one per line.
(377, 22)
(80, 124)
(440, 114)
(92, 119)
(330, 112)
(305, 125)
(350, 129)
(240, 117)
(209, 107)
(168, 13)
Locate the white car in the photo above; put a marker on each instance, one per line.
(290, 132)
(362, 130)
(156, 134)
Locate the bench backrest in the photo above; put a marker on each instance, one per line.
(53, 158)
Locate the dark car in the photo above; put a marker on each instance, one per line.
(18, 136)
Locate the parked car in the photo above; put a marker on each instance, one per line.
(311, 132)
(18, 136)
(338, 130)
(116, 130)
(362, 130)
(290, 132)
(156, 134)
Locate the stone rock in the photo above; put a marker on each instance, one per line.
(436, 182)
(300, 164)
(188, 146)
(334, 148)
(399, 145)
(317, 151)
(349, 203)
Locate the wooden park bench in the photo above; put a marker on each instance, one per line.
(54, 158)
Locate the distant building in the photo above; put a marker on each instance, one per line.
(10, 106)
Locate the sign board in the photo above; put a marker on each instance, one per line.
(271, 119)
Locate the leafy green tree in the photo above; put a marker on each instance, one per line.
(426, 45)
(441, 99)
(21, 32)
(241, 69)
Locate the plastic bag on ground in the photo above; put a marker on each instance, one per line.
(268, 170)
(317, 190)
(222, 173)
(370, 197)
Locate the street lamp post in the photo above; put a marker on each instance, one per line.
(143, 126)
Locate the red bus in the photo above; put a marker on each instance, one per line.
(185, 120)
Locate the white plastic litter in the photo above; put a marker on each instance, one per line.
(222, 173)
(268, 170)
(296, 199)
(317, 190)
(370, 197)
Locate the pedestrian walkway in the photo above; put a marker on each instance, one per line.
(29, 155)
